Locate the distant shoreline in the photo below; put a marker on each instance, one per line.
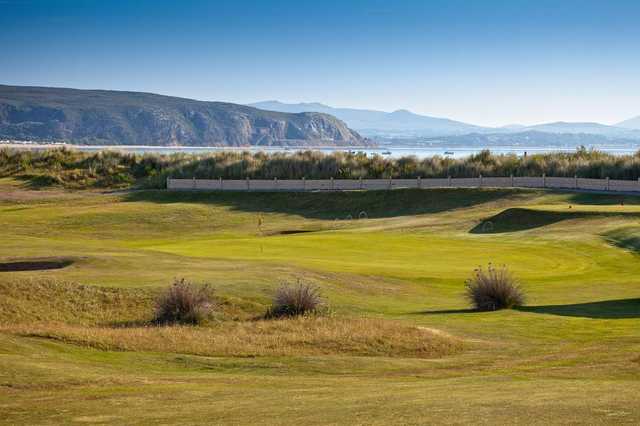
(388, 151)
(40, 145)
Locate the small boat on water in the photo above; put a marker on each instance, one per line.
(386, 152)
(448, 153)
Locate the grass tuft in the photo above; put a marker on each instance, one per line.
(493, 289)
(296, 300)
(184, 303)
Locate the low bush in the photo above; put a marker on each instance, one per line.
(493, 289)
(184, 303)
(296, 300)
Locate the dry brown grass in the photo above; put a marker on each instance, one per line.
(50, 300)
(301, 336)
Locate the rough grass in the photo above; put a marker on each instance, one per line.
(43, 299)
(77, 169)
(303, 336)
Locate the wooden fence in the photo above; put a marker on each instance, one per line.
(575, 183)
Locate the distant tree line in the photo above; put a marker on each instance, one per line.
(73, 168)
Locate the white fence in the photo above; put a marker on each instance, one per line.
(382, 184)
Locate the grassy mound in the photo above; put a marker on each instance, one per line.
(522, 219)
(122, 319)
(24, 301)
(626, 237)
(303, 336)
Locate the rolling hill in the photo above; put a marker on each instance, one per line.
(101, 117)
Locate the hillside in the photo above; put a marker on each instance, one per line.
(134, 118)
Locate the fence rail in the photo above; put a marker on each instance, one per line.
(612, 185)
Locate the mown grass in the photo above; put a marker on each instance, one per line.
(402, 345)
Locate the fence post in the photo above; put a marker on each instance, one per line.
(608, 183)
(544, 180)
(220, 179)
(480, 181)
(512, 185)
(193, 183)
(419, 182)
(575, 181)
(360, 179)
(248, 184)
(448, 180)
(275, 183)
(304, 184)
(390, 182)
(332, 184)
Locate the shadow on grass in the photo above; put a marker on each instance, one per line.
(603, 199)
(627, 238)
(449, 311)
(331, 205)
(522, 219)
(35, 182)
(607, 309)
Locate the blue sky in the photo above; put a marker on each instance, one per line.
(486, 62)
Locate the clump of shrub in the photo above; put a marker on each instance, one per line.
(296, 300)
(184, 303)
(493, 289)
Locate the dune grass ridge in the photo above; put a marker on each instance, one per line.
(76, 169)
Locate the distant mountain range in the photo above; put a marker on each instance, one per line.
(371, 122)
(632, 123)
(101, 117)
(403, 123)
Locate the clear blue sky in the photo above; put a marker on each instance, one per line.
(487, 62)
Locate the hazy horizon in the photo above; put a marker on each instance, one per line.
(488, 63)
